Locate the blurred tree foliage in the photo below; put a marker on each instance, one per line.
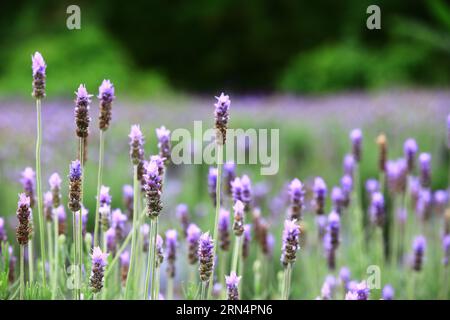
(253, 45)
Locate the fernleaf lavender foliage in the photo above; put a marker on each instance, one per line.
(307, 236)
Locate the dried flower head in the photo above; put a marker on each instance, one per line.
(106, 96)
(222, 107)
(38, 66)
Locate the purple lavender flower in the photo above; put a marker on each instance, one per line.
(356, 139)
(377, 209)
(118, 220)
(291, 233)
(137, 148)
(372, 186)
(110, 238)
(153, 190)
(236, 189)
(246, 241)
(222, 107)
(425, 170)
(246, 192)
(75, 186)
(171, 251)
(446, 249)
(55, 187)
(337, 198)
(38, 66)
(28, 181)
(23, 215)
(296, 196)
(224, 229)
(349, 165)
(106, 96)
(419, 246)
(229, 170)
(320, 193)
(182, 213)
(99, 262)
(212, 182)
(128, 194)
(232, 282)
(164, 143)
(3, 235)
(192, 237)
(61, 216)
(238, 224)
(388, 292)
(410, 150)
(48, 206)
(82, 119)
(104, 196)
(205, 256)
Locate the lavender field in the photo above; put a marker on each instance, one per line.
(93, 207)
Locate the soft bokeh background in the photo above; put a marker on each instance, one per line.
(308, 68)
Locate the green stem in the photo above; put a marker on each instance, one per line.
(99, 183)
(130, 276)
(39, 189)
(216, 222)
(22, 272)
(287, 281)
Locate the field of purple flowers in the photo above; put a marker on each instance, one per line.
(358, 209)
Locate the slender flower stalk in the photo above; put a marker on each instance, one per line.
(39, 77)
(289, 249)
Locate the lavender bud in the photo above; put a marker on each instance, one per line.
(82, 119)
(48, 206)
(128, 194)
(182, 213)
(205, 256)
(136, 146)
(38, 67)
(159, 251)
(388, 292)
(99, 262)
(446, 249)
(153, 190)
(164, 143)
(60, 214)
(382, 147)
(419, 246)
(246, 192)
(410, 149)
(28, 181)
(296, 195)
(224, 229)
(356, 139)
(212, 182)
(23, 215)
(55, 188)
(192, 237)
(246, 241)
(349, 165)
(118, 220)
(75, 186)
(232, 282)
(229, 169)
(320, 192)
(171, 247)
(106, 96)
(238, 225)
(377, 209)
(222, 107)
(290, 245)
(425, 170)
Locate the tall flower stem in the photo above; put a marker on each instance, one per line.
(150, 258)
(287, 281)
(216, 222)
(155, 280)
(99, 183)
(39, 189)
(22, 272)
(130, 276)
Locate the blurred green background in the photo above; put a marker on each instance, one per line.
(153, 47)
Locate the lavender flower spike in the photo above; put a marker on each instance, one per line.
(410, 149)
(38, 66)
(193, 235)
(290, 245)
(99, 262)
(28, 181)
(238, 225)
(419, 246)
(296, 195)
(222, 107)
(164, 143)
(356, 139)
(106, 96)
(75, 186)
(223, 228)
(153, 190)
(171, 247)
(205, 256)
(23, 215)
(425, 170)
(320, 192)
(232, 282)
(55, 187)
(82, 119)
(229, 169)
